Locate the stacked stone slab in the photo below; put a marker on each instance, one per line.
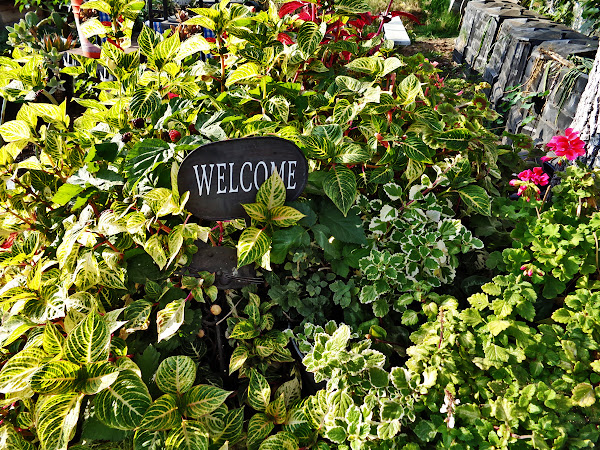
(481, 21)
(497, 41)
(549, 70)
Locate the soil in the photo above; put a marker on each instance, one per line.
(435, 49)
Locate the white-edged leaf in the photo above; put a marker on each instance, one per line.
(169, 319)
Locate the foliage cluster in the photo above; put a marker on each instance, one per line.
(106, 342)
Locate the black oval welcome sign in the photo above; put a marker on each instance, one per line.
(220, 176)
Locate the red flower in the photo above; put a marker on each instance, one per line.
(106, 23)
(285, 39)
(172, 95)
(211, 39)
(569, 145)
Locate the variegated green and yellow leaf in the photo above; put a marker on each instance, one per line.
(232, 429)
(137, 315)
(277, 410)
(176, 374)
(97, 376)
(149, 440)
(245, 72)
(259, 427)
(203, 399)
(190, 435)
(283, 440)
(123, 404)
(16, 374)
(252, 245)
(238, 358)
(256, 211)
(340, 186)
(89, 341)
(169, 319)
(163, 414)
(55, 377)
(11, 439)
(53, 340)
(259, 391)
(15, 130)
(56, 418)
(285, 216)
(144, 102)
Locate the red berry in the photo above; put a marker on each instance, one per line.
(138, 123)
(192, 129)
(174, 135)
(126, 137)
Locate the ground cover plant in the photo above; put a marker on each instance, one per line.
(407, 301)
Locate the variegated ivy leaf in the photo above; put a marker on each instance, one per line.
(55, 377)
(259, 427)
(163, 414)
(123, 404)
(238, 358)
(204, 399)
(176, 374)
(285, 216)
(259, 391)
(256, 211)
(56, 418)
(190, 435)
(169, 319)
(252, 245)
(89, 341)
(272, 192)
(97, 376)
(149, 440)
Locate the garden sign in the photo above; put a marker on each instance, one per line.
(220, 176)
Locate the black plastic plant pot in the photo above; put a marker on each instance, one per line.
(548, 168)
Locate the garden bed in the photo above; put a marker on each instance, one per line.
(401, 300)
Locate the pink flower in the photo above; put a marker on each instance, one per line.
(539, 177)
(569, 145)
(172, 95)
